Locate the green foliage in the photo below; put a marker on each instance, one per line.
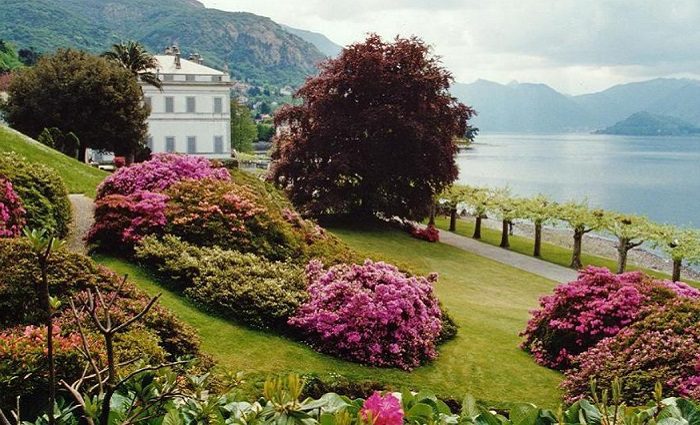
(65, 143)
(111, 115)
(265, 132)
(77, 176)
(678, 243)
(580, 216)
(133, 57)
(9, 60)
(243, 129)
(42, 191)
(538, 209)
(243, 287)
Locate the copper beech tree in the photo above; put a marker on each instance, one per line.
(375, 133)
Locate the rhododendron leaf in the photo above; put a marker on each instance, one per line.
(588, 413)
(525, 414)
(469, 407)
(420, 412)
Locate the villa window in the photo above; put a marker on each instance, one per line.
(190, 104)
(170, 144)
(189, 77)
(218, 105)
(169, 104)
(191, 144)
(168, 77)
(218, 144)
(147, 101)
(216, 78)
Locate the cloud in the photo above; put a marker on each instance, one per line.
(573, 45)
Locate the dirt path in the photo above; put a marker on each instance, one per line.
(83, 208)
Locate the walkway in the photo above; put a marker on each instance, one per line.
(83, 208)
(514, 259)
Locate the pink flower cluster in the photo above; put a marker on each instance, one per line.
(371, 313)
(429, 233)
(595, 306)
(159, 173)
(690, 386)
(382, 410)
(125, 219)
(12, 214)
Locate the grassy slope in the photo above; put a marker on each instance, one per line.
(552, 253)
(78, 177)
(489, 301)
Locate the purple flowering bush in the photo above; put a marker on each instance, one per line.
(382, 410)
(370, 313)
(664, 346)
(597, 305)
(159, 173)
(12, 214)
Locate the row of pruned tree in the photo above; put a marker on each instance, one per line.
(631, 231)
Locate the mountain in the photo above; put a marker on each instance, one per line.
(539, 108)
(254, 47)
(531, 108)
(647, 124)
(322, 43)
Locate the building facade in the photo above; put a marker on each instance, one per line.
(192, 112)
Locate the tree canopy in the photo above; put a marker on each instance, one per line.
(98, 101)
(133, 57)
(243, 128)
(376, 133)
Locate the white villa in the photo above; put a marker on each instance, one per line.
(192, 113)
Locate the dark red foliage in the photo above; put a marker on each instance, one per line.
(429, 233)
(375, 133)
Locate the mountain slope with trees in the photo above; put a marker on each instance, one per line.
(254, 47)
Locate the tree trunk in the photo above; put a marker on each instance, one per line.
(538, 239)
(46, 304)
(576, 254)
(622, 255)
(505, 243)
(431, 220)
(82, 153)
(676, 276)
(129, 158)
(477, 228)
(453, 219)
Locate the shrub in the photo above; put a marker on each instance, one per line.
(663, 347)
(11, 211)
(429, 233)
(122, 220)
(595, 306)
(159, 173)
(243, 287)
(42, 192)
(370, 313)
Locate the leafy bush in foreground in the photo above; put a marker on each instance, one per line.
(243, 287)
(664, 346)
(11, 211)
(597, 305)
(43, 194)
(371, 313)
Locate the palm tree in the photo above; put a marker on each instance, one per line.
(135, 58)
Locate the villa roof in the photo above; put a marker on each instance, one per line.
(166, 65)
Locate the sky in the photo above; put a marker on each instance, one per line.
(575, 46)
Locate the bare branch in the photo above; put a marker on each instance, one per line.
(79, 399)
(149, 368)
(138, 316)
(3, 419)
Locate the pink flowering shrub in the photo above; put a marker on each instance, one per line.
(429, 233)
(12, 214)
(370, 313)
(382, 410)
(122, 220)
(663, 346)
(597, 305)
(159, 173)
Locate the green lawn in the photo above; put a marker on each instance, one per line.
(78, 177)
(553, 253)
(489, 301)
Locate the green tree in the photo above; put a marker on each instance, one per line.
(507, 208)
(540, 210)
(682, 245)
(265, 132)
(450, 199)
(480, 201)
(582, 220)
(133, 57)
(243, 129)
(89, 96)
(630, 230)
(9, 60)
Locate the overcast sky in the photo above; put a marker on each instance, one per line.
(576, 46)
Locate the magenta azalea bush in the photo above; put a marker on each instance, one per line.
(159, 173)
(597, 305)
(370, 313)
(12, 214)
(382, 410)
(662, 347)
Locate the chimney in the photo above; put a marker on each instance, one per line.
(176, 51)
(168, 51)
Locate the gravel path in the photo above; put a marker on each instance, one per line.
(83, 208)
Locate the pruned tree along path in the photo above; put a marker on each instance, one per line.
(519, 261)
(82, 213)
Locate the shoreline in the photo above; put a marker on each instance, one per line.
(593, 244)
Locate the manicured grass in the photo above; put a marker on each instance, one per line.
(78, 177)
(551, 253)
(488, 300)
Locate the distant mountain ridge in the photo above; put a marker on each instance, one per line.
(254, 47)
(322, 43)
(526, 107)
(647, 124)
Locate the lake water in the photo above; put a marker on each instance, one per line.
(654, 176)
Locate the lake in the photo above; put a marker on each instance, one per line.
(654, 176)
